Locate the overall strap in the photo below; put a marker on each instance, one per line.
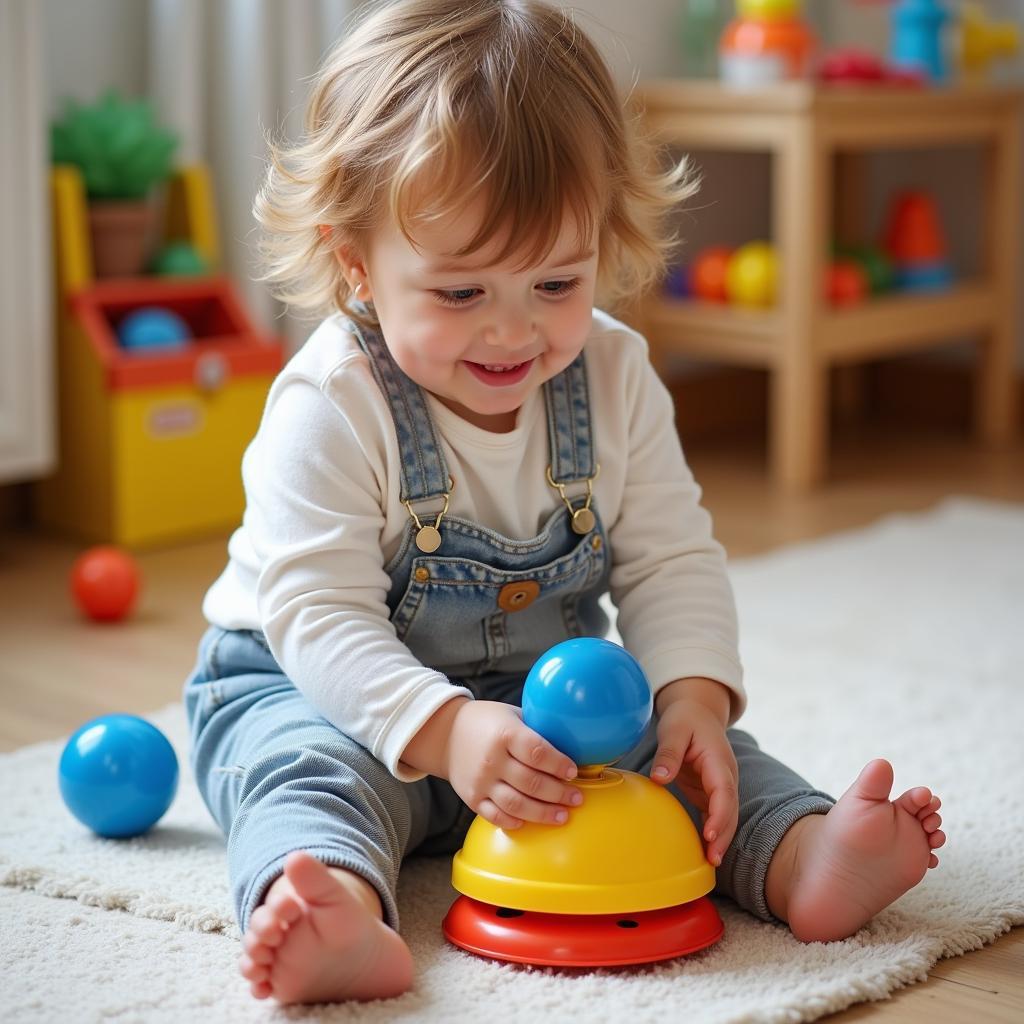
(569, 433)
(422, 463)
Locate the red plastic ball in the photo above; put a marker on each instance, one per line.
(709, 273)
(105, 583)
(847, 284)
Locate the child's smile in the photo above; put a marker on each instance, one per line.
(500, 375)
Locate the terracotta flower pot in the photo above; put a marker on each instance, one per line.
(120, 231)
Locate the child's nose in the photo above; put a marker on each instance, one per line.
(511, 333)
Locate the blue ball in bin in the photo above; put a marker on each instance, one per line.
(118, 775)
(589, 698)
(152, 329)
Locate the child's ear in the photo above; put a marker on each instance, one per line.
(352, 267)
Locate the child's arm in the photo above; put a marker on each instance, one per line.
(502, 769)
(694, 751)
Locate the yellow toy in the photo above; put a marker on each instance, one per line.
(625, 880)
(751, 278)
(983, 41)
(150, 442)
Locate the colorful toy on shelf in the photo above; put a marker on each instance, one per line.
(916, 43)
(916, 244)
(105, 583)
(625, 880)
(767, 42)
(876, 265)
(846, 284)
(153, 329)
(118, 775)
(982, 41)
(709, 272)
(851, 65)
(700, 26)
(677, 282)
(752, 275)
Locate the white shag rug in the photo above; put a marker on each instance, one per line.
(901, 640)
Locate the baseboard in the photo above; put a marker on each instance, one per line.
(15, 507)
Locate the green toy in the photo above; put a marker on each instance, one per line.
(179, 259)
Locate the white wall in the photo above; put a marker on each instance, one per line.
(93, 45)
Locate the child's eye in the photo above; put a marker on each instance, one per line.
(462, 296)
(560, 287)
(457, 297)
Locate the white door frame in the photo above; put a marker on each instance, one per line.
(26, 294)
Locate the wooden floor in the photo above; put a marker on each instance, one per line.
(57, 671)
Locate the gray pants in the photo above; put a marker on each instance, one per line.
(278, 777)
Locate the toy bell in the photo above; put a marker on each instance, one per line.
(625, 880)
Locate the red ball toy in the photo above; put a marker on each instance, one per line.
(105, 583)
(709, 273)
(846, 283)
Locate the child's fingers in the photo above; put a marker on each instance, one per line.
(723, 806)
(519, 806)
(667, 762)
(490, 811)
(534, 751)
(541, 786)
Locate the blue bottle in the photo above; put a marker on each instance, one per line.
(916, 43)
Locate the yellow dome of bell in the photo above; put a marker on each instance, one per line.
(628, 848)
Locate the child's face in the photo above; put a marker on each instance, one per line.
(479, 338)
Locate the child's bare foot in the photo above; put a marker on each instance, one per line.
(318, 938)
(839, 869)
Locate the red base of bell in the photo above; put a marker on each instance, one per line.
(583, 940)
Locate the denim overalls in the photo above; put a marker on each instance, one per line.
(480, 607)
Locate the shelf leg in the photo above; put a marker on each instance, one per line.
(801, 206)
(995, 384)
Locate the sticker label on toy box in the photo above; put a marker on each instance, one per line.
(175, 420)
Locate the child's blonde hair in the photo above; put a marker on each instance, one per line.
(427, 104)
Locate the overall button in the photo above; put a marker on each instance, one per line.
(514, 597)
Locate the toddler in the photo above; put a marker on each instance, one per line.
(461, 460)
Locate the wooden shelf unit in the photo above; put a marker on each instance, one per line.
(817, 138)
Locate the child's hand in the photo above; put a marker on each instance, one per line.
(694, 751)
(505, 771)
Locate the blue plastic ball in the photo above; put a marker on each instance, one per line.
(589, 698)
(118, 775)
(153, 328)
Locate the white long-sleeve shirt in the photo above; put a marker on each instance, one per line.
(323, 517)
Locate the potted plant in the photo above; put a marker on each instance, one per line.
(122, 153)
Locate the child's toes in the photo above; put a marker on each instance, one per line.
(915, 799)
(251, 970)
(929, 808)
(257, 951)
(936, 839)
(261, 989)
(931, 823)
(264, 928)
(933, 861)
(284, 906)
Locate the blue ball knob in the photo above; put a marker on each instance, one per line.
(589, 698)
(153, 329)
(118, 775)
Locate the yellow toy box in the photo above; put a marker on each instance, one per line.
(151, 442)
